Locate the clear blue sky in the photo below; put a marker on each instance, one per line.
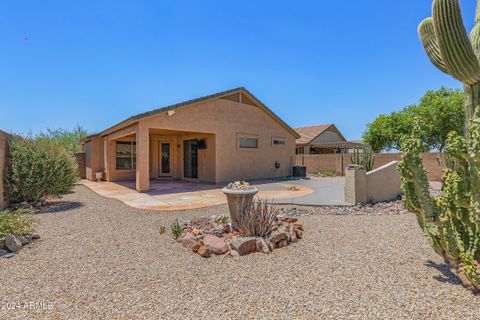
(96, 63)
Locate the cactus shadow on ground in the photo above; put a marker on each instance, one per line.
(447, 276)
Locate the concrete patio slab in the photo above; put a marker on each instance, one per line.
(168, 195)
(327, 191)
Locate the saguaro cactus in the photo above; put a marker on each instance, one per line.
(451, 222)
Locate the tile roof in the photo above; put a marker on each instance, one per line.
(140, 116)
(307, 134)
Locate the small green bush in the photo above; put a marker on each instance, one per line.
(37, 170)
(161, 230)
(176, 230)
(328, 173)
(17, 222)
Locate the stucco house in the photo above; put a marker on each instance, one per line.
(217, 138)
(324, 139)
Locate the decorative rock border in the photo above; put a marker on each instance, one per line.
(215, 236)
(12, 244)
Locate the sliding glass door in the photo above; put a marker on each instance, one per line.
(190, 159)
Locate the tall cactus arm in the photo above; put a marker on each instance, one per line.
(474, 167)
(417, 196)
(430, 44)
(475, 33)
(455, 47)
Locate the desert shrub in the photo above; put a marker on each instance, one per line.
(328, 173)
(17, 222)
(67, 139)
(257, 219)
(37, 170)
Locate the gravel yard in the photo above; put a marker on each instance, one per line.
(98, 258)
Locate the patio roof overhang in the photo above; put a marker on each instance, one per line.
(135, 119)
(338, 145)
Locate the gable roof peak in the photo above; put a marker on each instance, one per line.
(310, 133)
(220, 94)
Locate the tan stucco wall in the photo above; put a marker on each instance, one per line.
(338, 162)
(381, 184)
(225, 119)
(355, 185)
(3, 164)
(94, 157)
(219, 121)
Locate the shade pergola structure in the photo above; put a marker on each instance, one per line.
(335, 147)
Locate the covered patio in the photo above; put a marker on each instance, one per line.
(138, 155)
(335, 147)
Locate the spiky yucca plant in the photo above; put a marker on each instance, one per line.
(451, 222)
(257, 218)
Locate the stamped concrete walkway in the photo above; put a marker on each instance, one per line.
(167, 195)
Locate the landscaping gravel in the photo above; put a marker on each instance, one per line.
(98, 258)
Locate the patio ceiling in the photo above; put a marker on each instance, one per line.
(167, 132)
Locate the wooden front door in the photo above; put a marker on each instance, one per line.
(164, 158)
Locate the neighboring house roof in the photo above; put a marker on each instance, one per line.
(308, 134)
(187, 103)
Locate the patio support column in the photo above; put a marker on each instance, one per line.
(109, 158)
(143, 158)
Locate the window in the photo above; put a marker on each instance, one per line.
(278, 141)
(126, 155)
(248, 143)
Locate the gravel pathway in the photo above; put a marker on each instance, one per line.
(98, 258)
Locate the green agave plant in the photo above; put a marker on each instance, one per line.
(451, 222)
